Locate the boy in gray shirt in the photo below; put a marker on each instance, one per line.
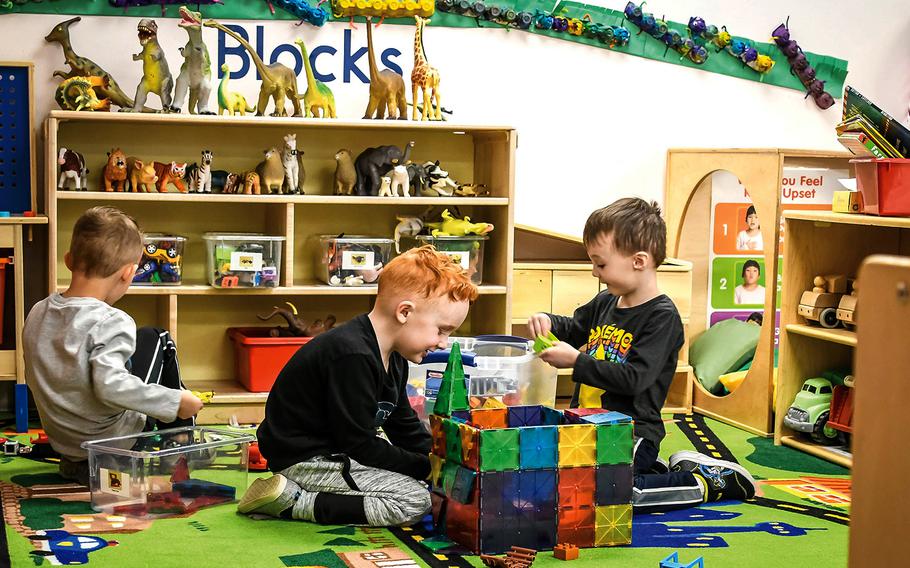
(91, 374)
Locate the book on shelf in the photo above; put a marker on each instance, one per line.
(860, 145)
(881, 124)
(859, 124)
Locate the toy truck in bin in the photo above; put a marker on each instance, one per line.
(820, 303)
(811, 408)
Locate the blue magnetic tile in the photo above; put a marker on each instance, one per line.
(462, 415)
(538, 447)
(614, 485)
(551, 417)
(611, 417)
(521, 416)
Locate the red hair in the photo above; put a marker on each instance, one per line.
(428, 274)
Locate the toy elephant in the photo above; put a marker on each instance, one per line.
(373, 163)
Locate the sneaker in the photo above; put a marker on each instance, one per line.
(269, 496)
(723, 480)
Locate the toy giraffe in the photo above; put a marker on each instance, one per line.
(424, 77)
(318, 100)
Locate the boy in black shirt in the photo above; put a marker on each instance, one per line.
(629, 337)
(322, 415)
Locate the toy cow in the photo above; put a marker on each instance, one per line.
(72, 167)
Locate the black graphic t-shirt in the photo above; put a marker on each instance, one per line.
(331, 398)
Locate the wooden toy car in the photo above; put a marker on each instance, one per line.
(846, 308)
(820, 304)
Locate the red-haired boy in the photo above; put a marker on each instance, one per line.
(323, 413)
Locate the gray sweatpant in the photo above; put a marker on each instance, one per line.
(389, 498)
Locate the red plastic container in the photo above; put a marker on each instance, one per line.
(885, 184)
(260, 357)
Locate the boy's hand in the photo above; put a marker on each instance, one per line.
(539, 324)
(190, 405)
(562, 355)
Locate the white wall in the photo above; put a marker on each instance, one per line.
(593, 125)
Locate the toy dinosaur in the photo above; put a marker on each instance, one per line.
(318, 96)
(156, 76)
(424, 78)
(78, 93)
(196, 71)
(230, 101)
(386, 87)
(297, 327)
(453, 227)
(85, 67)
(278, 80)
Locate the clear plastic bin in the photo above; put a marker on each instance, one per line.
(167, 472)
(496, 366)
(162, 260)
(243, 260)
(466, 251)
(353, 260)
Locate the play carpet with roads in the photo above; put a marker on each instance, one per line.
(799, 518)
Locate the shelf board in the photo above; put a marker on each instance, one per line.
(302, 199)
(848, 218)
(818, 450)
(228, 392)
(842, 336)
(283, 122)
(304, 290)
(36, 220)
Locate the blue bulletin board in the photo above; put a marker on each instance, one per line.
(15, 138)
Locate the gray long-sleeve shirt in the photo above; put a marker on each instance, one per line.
(76, 356)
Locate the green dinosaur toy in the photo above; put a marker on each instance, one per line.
(318, 96)
(196, 71)
(230, 101)
(156, 76)
(278, 81)
(453, 227)
(85, 67)
(542, 342)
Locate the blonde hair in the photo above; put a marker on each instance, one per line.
(635, 225)
(428, 274)
(104, 240)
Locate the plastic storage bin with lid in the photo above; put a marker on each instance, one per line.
(167, 472)
(351, 260)
(496, 366)
(466, 251)
(243, 260)
(162, 260)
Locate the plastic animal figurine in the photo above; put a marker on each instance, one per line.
(318, 100)
(231, 101)
(72, 167)
(278, 81)
(297, 327)
(204, 173)
(271, 171)
(372, 163)
(156, 77)
(346, 281)
(251, 183)
(439, 181)
(196, 71)
(141, 175)
(471, 190)
(289, 163)
(450, 226)
(78, 93)
(385, 187)
(400, 181)
(233, 183)
(114, 172)
(386, 88)
(345, 174)
(85, 67)
(417, 177)
(424, 78)
(408, 227)
(170, 173)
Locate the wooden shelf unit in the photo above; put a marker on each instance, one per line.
(822, 242)
(197, 314)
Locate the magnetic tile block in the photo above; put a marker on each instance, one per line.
(447, 478)
(576, 526)
(551, 417)
(538, 447)
(470, 446)
(462, 415)
(614, 443)
(614, 484)
(521, 416)
(607, 418)
(613, 525)
(577, 445)
(537, 491)
(453, 441)
(490, 418)
(462, 521)
(438, 435)
(499, 449)
(463, 485)
(577, 415)
(576, 487)
(436, 464)
(497, 535)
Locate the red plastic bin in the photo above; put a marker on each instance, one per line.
(259, 357)
(885, 185)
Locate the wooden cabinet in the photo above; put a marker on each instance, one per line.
(826, 243)
(197, 314)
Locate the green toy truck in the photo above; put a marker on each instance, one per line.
(810, 411)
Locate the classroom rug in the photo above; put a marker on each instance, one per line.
(800, 517)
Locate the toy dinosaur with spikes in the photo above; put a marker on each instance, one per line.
(296, 326)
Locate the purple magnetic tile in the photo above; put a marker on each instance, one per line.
(462, 415)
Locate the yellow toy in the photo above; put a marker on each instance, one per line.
(424, 78)
(318, 96)
(230, 101)
(453, 227)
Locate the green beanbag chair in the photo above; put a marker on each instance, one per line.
(721, 349)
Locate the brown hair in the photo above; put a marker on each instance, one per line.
(105, 239)
(428, 274)
(635, 225)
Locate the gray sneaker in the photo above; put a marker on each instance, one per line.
(269, 496)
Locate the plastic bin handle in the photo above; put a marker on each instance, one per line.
(442, 356)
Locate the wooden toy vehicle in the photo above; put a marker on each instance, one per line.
(846, 308)
(820, 304)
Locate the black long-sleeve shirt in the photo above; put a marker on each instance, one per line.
(331, 398)
(629, 353)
